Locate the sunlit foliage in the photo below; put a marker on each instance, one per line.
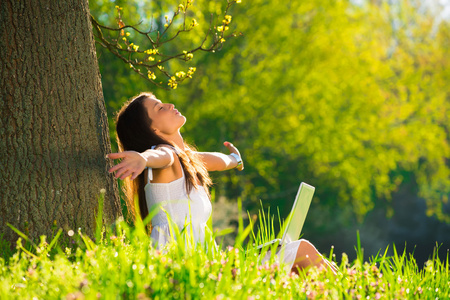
(353, 99)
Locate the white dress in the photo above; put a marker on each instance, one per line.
(174, 200)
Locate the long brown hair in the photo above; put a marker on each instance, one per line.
(134, 133)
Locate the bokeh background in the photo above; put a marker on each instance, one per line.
(352, 97)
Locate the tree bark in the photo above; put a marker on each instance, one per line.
(53, 128)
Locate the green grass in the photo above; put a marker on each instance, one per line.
(122, 264)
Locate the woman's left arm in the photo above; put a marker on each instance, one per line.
(216, 161)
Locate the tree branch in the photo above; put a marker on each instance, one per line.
(129, 53)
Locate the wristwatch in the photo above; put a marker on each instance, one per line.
(238, 158)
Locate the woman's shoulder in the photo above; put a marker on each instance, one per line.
(169, 173)
(167, 146)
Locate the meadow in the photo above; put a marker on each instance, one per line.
(121, 263)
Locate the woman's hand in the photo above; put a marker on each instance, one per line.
(133, 163)
(234, 150)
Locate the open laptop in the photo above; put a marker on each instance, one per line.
(296, 218)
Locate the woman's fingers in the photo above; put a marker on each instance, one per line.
(231, 147)
(125, 164)
(124, 170)
(134, 175)
(126, 174)
(133, 163)
(115, 168)
(234, 150)
(228, 145)
(119, 171)
(116, 155)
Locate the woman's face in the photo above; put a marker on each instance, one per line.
(166, 120)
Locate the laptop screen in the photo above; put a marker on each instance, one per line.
(296, 219)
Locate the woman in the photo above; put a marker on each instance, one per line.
(165, 170)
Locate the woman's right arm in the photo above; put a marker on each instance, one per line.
(216, 161)
(133, 163)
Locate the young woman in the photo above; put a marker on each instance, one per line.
(162, 169)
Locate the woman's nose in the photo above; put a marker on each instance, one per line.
(171, 106)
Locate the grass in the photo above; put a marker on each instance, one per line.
(122, 264)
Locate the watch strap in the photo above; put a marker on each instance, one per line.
(238, 158)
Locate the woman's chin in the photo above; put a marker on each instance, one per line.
(184, 120)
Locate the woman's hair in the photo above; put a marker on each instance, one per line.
(134, 133)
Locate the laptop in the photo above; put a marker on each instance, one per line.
(296, 218)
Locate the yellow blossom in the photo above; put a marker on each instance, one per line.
(151, 51)
(173, 82)
(191, 72)
(180, 74)
(151, 75)
(227, 20)
(189, 56)
(150, 58)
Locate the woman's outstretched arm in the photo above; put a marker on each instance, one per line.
(133, 163)
(216, 161)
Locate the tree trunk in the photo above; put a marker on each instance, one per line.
(53, 128)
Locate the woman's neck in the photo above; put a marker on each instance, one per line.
(177, 140)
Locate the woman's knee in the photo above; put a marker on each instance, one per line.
(303, 241)
(307, 245)
(306, 250)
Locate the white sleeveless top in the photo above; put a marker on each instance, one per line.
(172, 199)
